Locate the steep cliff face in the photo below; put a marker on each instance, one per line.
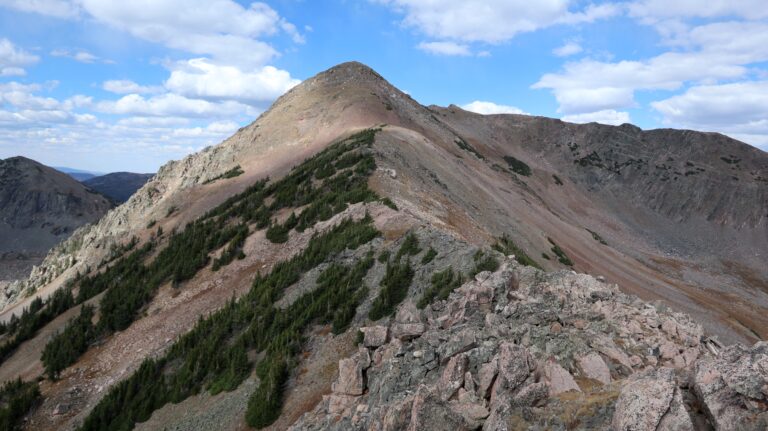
(441, 187)
(39, 207)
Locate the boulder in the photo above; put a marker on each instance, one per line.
(560, 380)
(452, 377)
(646, 398)
(374, 336)
(407, 331)
(592, 366)
(428, 412)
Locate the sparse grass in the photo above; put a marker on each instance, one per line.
(561, 256)
(506, 246)
(484, 262)
(597, 237)
(443, 283)
(468, 148)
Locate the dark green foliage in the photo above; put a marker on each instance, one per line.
(265, 404)
(597, 237)
(384, 256)
(34, 317)
(518, 166)
(546, 256)
(466, 147)
(66, 346)
(506, 246)
(130, 284)
(410, 247)
(171, 210)
(429, 256)
(234, 172)
(484, 262)
(151, 223)
(557, 179)
(388, 202)
(394, 288)
(443, 283)
(16, 398)
(561, 256)
(213, 355)
(234, 249)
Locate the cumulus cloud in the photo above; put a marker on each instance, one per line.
(738, 109)
(13, 59)
(169, 104)
(607, 116)
(568, 49)
(201, 78)
(445, 48)
(126, 86)
(492, 21)
(720, 52)
(487, 108)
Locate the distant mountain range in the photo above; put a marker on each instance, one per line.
(78, 174)
(39, 207)
(118, 186)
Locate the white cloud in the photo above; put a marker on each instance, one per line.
(738, 109)
(661, 9)
(81, 55)
(487, 108)
(222, 29)
(170, 105)
(445, 48)
(57, 8)
(607, 116)
(13, 59)
(125, 86)
(720, 51)
(568, 49)
(202, 78)
(492, 21)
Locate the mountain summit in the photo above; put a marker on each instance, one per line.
(355, 260)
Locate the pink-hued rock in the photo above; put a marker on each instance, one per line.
(452, 377)
(615, 354)
(531, 395)
(375, 336)
(515, 365)
(645, 399)
(486, 376)
(560, 380)
(593, 367)
(350, 380)
(428, 411)
(407, 331)
(669, 350)
(398, 415)
(340, 404)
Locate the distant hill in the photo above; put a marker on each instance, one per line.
(118, 186)
(77, 174)
(39, 207)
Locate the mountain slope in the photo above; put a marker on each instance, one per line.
(39, 207)
(585, 196)
(118, 186)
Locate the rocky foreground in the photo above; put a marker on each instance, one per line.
(525, 349)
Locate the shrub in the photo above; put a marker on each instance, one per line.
(16, 398)
(394, 289)
(484, 262)
(506, 246)
(410, 247)
(429, 256)
(443, 283)
(518, 166)
(466, 147)
(561, 256)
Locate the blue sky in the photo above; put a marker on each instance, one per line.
(105, 86)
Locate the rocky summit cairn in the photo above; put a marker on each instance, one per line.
(523, 349)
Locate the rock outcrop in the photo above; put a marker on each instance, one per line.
(524, 349)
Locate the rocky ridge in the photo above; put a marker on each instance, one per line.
(523, 349)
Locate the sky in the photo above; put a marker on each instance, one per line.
(110, 86)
